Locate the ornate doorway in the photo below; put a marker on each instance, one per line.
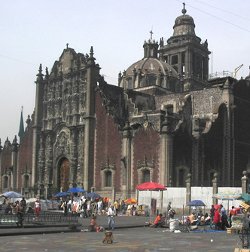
(63, 174)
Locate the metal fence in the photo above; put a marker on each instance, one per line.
(44, 218)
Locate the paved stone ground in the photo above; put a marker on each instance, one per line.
(126, 239)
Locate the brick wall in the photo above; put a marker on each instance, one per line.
(108, 144)
(146, 144)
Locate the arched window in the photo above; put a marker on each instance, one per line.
(181, 178)
(5, 182)
(26, 181)
(108, 179)
(145, 176)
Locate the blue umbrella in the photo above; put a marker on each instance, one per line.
(76, 190)
(12, 194)
(196, 203)
(93, 195)
(61, 194)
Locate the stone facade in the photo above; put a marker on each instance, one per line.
(164, 122)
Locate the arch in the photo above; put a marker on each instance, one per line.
(5, 181)
(108, 178)
(26, 179)
(181, 174)
(145, 175)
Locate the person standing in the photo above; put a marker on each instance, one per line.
(37, 208)
(23, 204)
(212, 211)
(111, 217)
(20, 213)
(217, 219)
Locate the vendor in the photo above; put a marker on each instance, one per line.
(192, 218)
(158, 222)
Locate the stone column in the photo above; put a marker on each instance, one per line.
(244, 181)
(38, 116)
(166, 155)
(195, 161)
(166, 165)
(228, 156)
(126, 159)
(88, 168)
(215, 187)
(14, 163)
(188, 188)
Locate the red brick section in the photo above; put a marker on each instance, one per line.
(108, 144)
(6, 157)
(147, 143)
(25, 155)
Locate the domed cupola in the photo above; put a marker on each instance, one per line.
(150, 74)
(184, 24)
(185, 52)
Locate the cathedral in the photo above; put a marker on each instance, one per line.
(163, 121)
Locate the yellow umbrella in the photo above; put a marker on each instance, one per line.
(130, 201)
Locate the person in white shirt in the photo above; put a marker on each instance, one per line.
(111, 217)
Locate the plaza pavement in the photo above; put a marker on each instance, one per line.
(130, 234)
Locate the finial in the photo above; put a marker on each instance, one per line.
(184, 11)
(91, 54)
(40, 69)
(22, 109)
(67, 46)
(151, 34)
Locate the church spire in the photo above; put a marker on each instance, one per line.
(21, 127)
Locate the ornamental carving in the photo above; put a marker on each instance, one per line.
(62, 146)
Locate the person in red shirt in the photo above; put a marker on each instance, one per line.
(232, 212)
(217, 219)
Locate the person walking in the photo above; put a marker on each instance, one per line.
(111, 217)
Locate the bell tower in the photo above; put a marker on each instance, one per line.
(186, 53)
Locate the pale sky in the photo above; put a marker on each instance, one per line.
(34, 32)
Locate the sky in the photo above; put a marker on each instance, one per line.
(36, 32)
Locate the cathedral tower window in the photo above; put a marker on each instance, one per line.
(145, 175)
(5, 182)
(108, 174)
(26, 181)
(108, 179)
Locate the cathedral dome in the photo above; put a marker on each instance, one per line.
(151, 66)
(149, 72)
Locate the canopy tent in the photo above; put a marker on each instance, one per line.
(245, 197)
(151, 186)
(228, 196)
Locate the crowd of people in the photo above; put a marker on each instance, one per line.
(217, 217)
(91, 208)
(86, 207)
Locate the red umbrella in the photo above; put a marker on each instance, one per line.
(150, 186)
